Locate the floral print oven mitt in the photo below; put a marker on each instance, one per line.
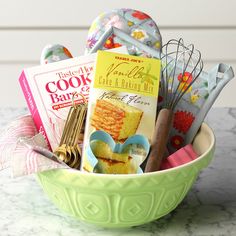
(195, 103)
(131, 28)
(120, 27)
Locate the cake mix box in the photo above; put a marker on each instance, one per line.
(48, 90)
(121, 112)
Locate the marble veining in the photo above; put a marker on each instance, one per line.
(208, 209)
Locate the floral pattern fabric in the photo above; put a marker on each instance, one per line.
(195, 103)
(54, 53)
(134, 23)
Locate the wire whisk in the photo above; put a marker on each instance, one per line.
(181, 67)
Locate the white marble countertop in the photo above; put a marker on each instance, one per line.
(208, 209)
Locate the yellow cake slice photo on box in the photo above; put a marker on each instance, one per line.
(117, 118)
(110, 162)
(125, 162)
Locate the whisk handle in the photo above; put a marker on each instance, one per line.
(159, 140)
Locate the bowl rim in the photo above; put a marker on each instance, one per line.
(161, 172)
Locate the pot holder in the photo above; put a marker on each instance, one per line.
(121, 27)
(195, 104)
(53, 53)
(129, 22)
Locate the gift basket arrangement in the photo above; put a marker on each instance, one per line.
(116, 136)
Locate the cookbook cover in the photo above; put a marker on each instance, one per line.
(48, 90)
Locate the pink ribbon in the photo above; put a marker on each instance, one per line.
(14, 154)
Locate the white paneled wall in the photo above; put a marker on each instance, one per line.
(26, 26)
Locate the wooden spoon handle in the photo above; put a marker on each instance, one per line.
(159, 140)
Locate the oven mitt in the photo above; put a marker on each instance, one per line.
(120, 27)
(195, 104)
(124, 27)
(53, 53)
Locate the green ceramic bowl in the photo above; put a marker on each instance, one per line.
(126, 200)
